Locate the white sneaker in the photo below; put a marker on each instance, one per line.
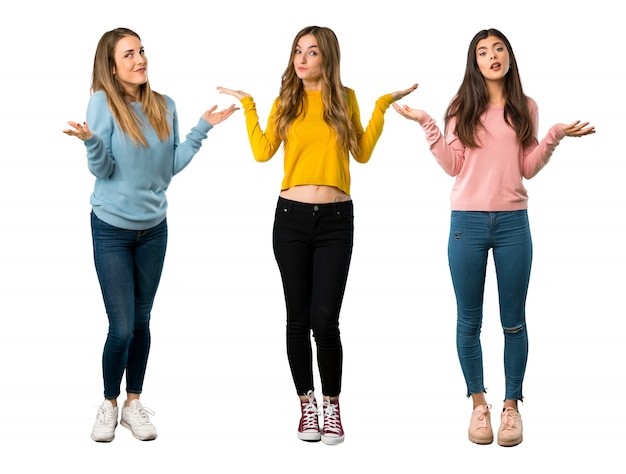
(135, 418)
(106, 421)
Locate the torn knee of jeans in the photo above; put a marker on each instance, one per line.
(515, 329)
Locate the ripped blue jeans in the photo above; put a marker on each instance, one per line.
(507, 235)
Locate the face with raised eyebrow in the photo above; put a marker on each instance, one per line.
(307, 62)
(131, 64)
(492, 58)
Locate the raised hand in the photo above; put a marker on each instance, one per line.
(578, 129)
(80, 130)
(235, 93)
(217, 117)
(400, 94)
(407, 112)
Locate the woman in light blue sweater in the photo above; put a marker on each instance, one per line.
(133, 150)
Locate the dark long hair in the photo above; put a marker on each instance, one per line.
(472, 97)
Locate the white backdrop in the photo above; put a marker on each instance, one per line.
(218, 377)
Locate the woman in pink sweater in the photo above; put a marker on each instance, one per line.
(490, 145)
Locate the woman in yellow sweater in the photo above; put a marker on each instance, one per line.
(318, 122)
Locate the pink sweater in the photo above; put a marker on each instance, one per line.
(489, 178)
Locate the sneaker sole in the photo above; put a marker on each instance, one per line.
(332, 440)
(149, 438)
(481, 440)
(310, 437)
(510, 443)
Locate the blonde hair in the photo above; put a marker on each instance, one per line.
(292, 98)
(152, 103)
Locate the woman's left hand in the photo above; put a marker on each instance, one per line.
(400, 94)
(80, 130)
(577, 129)
(217, 117)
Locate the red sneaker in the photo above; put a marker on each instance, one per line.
(309, 428)
(332, 432)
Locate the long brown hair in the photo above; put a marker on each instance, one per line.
(472, 97)
(152, 103)
(292, 97)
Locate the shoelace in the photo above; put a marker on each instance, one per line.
(481, 417)
(310, 413)
(332, 422)
(106, 417)
(510, 417)
(140, 415)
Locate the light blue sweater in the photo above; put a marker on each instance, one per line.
(131, 180)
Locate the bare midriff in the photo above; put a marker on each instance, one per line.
(313, 194)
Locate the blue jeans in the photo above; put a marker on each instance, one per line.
(313, 249)
(129, 265)
(472, 235)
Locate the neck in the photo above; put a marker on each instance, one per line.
(132, 95)
(496, 93)
(312, 85)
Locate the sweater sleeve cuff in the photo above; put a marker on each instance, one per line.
(558, 131)
(385, 101)
(424, 119)
(93, 140)
(204, 125)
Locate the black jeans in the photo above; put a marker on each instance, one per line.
(313, 248)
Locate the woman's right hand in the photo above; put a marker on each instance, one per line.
(80, 130)
(237, 94)
(407, 112)
(400, 94)
(578, 129)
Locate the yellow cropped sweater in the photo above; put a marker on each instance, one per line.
(312, 154)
